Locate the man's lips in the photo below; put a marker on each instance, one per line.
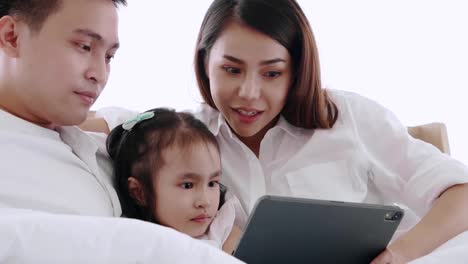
(88, 97)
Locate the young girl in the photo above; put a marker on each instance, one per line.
(168, 170)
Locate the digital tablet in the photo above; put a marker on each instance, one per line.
(295, 230)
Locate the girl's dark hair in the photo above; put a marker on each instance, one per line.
(308, 105)
(138, 153)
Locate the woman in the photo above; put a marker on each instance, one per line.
(280, 133)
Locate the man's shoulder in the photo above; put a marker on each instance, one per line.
(100, 140)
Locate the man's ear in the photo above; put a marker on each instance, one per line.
(136, 191)
(9, 36)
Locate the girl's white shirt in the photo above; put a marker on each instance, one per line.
(368, 156)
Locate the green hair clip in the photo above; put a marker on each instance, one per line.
(140, 117)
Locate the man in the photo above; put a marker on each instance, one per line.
(55, 58)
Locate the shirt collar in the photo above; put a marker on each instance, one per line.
(217, 123)
(285, 126)
(10, 122)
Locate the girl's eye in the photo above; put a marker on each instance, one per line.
(272, 74)
(213, 183)
(231, 70)
(187, 185)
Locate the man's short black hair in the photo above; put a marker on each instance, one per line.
(35, 12)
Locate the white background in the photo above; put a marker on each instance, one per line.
(409, 55)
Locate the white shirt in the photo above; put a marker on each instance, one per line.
(65, 171)
(63, 181)
(367, 156)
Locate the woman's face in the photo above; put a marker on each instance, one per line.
(249, 75)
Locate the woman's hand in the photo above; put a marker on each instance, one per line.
(95, 124)
(389, 256)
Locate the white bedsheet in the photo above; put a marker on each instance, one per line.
(35, 237)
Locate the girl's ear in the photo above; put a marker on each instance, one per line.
(9, 36)
(136, 191)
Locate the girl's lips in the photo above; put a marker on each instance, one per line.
(201, 219)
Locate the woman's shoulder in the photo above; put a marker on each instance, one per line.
(352, 105)
(205, 113)
(348, 98)
(212, 118)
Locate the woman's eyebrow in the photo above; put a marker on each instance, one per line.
(265, 62)
(272, 61)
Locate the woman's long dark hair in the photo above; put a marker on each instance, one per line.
(308, 105)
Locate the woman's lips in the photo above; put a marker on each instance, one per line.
(247, 115)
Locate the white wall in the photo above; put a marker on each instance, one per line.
(411, 56)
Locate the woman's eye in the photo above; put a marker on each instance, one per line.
(187, 185)
(231, 70)
(272, 74)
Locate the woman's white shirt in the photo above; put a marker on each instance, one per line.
(367, 156)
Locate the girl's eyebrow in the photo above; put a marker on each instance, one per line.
(196, 176)
(216, 174)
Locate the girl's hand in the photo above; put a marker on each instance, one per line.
(389, 256)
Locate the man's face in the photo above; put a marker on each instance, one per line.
(63, 67)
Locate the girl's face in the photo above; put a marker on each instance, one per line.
(249, 75)
(187, 189)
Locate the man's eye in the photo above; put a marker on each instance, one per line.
(272, 74)
(109, 58)
(187, 185)
(231, 70)
(84, 47)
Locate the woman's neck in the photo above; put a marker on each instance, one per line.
(253, 142)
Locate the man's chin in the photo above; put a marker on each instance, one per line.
(71, 119)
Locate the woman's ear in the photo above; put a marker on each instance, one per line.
(9, 36)
(136, 191)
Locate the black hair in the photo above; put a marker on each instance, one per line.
(137, 153)
(35, 12)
